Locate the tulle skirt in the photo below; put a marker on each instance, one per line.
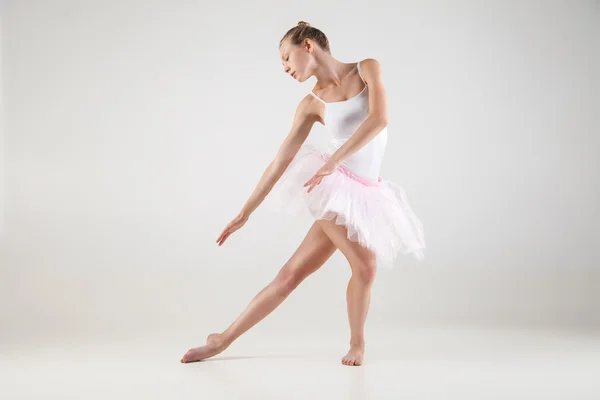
(377, 215)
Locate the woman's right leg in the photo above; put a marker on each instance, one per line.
(315, 249)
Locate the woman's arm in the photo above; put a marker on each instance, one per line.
(378, 113)
(305, 117)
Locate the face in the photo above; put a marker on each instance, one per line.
(297, 60)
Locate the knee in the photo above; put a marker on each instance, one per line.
(365, 272)
(287, 280)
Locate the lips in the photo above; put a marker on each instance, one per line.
(294, 74)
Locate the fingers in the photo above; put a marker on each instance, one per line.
(316, 177)
(314, 181)
(314, 184)
(227, 232)
(229, 229)
(223, 237)
(309, 181)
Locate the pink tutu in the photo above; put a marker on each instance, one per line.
(377, 215)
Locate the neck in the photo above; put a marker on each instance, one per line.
(330, 72)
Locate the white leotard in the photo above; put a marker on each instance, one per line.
(342, 119)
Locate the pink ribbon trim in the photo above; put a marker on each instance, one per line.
(352, 175)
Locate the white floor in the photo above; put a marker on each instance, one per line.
(109, 330)
(409, 363)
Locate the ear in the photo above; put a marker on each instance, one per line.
(308, 45)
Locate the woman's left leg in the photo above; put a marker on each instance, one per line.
(358, 294)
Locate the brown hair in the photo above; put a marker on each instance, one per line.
(303, 31)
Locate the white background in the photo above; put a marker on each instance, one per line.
(133, 131)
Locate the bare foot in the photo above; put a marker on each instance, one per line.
(355, 355)
(215, 344)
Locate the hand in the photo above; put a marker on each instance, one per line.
(327, 169)
(231, 227)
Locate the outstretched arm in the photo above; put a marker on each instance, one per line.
(304, 118)
(306, 115)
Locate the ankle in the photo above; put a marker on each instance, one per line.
(357, 343)
(225, 339)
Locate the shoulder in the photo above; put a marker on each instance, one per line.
(370, 65)
(370, 69)
(309, 102)
(309, 108)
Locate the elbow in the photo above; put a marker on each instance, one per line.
(381, 120)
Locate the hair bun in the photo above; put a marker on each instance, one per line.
(303, 23)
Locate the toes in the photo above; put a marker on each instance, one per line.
(351, 361)
(185, 357)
